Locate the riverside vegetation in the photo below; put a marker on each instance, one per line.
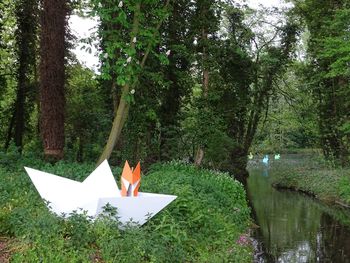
(315, 177)
(206, 223)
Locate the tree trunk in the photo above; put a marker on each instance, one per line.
(52, 77)
(199, 157)
(200, 151)
(9, 131)
(26, 14)
(80, 151)
(19, 110)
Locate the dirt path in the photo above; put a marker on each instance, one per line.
(4, 254)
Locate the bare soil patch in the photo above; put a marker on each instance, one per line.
(4, 250)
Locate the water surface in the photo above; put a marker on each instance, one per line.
(294, 227)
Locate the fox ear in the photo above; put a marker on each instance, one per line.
(127, 173)
(137, 171)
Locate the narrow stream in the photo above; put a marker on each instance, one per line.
(294, 227)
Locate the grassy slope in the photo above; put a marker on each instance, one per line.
(202, 225)
(327, 184)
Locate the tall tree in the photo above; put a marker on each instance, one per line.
(139, 22)
(52, 76)
(155, 134)
(206, 23)
(26, 36)
(327, 72)
(178, 39)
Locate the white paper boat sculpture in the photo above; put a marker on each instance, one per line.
(65, 196)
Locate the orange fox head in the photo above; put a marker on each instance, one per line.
(130, 180)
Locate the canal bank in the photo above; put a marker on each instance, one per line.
(294, 227)
(310, 176)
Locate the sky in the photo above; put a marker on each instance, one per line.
(83, 27)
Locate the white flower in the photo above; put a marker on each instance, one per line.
(134, 40)
(168, 52)
(195, 42)
(120, 5)
(105, 55)
(128, 60)
(132, 91)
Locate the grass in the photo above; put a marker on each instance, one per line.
(205, 223)
(311, 176)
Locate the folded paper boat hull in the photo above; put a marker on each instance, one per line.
(137, 209)
(63, 195)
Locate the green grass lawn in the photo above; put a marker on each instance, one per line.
(206, 223)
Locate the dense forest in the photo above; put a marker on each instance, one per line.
(203, 81)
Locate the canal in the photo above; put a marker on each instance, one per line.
(293, 227)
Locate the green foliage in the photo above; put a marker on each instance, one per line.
(292, 120)
(153, 130)
(170, 115)
(7, 64)
(242, 83)
(87, 119)
(202, 225)
(126, 37)
(344, 188)
(315, 177)
(326, 73)
(335, 47)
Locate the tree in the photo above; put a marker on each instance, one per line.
(292, 119)
(7, 64)
(206, 22)
(178, 39)
(139, 23)
(26, 36)
(327, 72)
(52, 77)
(250, 62)
(87, 118)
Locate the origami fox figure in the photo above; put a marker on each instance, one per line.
(130, 180)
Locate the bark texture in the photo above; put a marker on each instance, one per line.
(52, 77)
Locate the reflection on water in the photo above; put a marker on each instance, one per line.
(294, 227)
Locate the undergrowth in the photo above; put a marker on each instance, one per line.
(204, 224)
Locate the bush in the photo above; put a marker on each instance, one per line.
(204, 224)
